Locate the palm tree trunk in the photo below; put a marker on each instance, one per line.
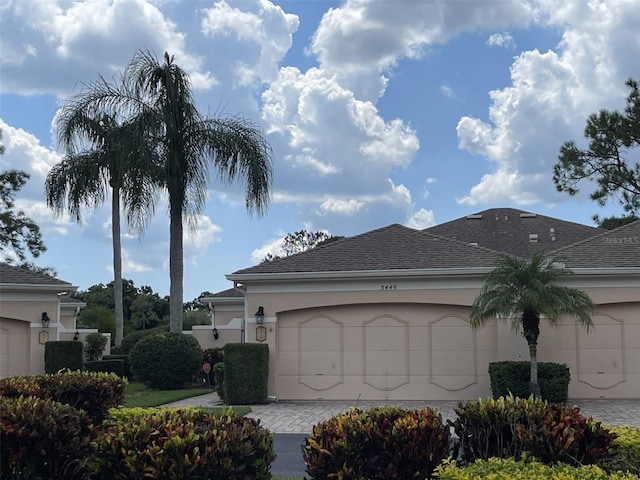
(117, 265)
(531, 332)
(176, 268)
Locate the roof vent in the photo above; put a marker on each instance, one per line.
(533, 237)
(474, 244)
(528, 215)
(552, 232)
(474, 216)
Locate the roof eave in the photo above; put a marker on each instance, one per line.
(58, 288)
(326, 275)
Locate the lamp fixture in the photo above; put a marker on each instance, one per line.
(45, 320)
(76, 336)
(260, 315)
(215, 333)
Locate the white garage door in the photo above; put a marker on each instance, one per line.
(382, 352)
(14, 347)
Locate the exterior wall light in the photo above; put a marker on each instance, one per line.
(215, 333)
(45, 320)
(260, 315)
(76, 336)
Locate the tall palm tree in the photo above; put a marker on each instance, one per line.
(524, 291)
(188, 145)
(101, 155)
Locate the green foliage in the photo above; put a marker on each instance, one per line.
(180, 444)
(301, 241)
(213, 355)
(378, 443)
(166, 361)
(509, 426)
(218, 381)
(195, 317)
(93, 392)
(133, 338)
(18, 232)
(604, 162)
(107, 366)
(62, 355)
(42, 439)
(126, 364)
(513, 377)
(94, 346)
(627, 446)
(527, 469)
(246, 372)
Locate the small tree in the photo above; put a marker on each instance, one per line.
(94, 346)
(525, 290)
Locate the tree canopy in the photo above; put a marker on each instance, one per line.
(301, 241)
(606, 162)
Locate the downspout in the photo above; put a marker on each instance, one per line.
(213, 314)
(242, 289)
(58, 320)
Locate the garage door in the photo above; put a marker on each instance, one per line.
(14, 347)
(381, 352)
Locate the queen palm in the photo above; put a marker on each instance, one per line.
(188, 145)
(101, 155)
(524, 291)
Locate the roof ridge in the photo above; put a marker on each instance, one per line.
(602, 234)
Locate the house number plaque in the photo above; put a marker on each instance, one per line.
(261, 333)
(43, 337)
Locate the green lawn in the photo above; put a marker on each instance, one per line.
(137, 395)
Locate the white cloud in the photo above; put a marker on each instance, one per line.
(421, 219)
(503, 39)
(448, 92)
(550, 97)
(198, 239)
(258, 26)
(344, 207)
(49, 46)
(273, 247)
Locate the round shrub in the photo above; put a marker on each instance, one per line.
(383, 442)
(166, 361)
(43, 439)
(94, 346)
(130, 340)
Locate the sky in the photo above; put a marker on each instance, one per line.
(378, 112)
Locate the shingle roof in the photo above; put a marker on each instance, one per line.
(394, 247)
(511, 231)
(617, 248)
(228, 293)
(20, 276)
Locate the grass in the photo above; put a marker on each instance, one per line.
(137, 395)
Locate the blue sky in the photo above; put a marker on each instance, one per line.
(378, 112)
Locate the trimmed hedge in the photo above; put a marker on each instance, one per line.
(42, 439)
(106, 366)
(513, 377)
(130, 340)
(218, 381)
(628, 449)
(62, 355)
(182, 443)
(166, 361)
(378, 443)
(126, 367)
(246, 372)
(94, 393)
(509, 469)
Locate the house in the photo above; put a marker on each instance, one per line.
(34, 309)
(384, 315)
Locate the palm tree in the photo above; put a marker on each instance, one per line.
(524, 291)
(188, 145)
(102, 154)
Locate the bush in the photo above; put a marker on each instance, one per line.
(509, 469)
(94, 346)
(218, 381)
(62, 355)
(178, 444)
(166, 361)
(130, 340)
(246, 386)
(94, 393)
(509, 426)
(627, 444)
(513, 377)
(106, 366)
(378, 443)
(42, 439)
(126, 365)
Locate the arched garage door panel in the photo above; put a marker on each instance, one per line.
(380, 352)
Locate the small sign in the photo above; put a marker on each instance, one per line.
(261, 333)
(43, 337)
(206, 368)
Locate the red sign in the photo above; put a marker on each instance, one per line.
(206, 368)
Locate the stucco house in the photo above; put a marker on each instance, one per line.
(384, 315)
(34, 309)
